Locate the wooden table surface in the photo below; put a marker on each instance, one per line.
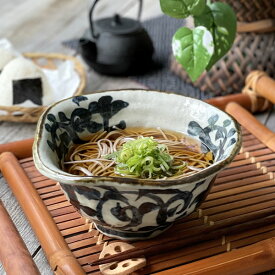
(42, 26)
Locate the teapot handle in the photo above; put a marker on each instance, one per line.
(95, 36)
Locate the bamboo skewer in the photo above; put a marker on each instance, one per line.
(14, 254)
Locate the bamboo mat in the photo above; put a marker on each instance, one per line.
(244, 191)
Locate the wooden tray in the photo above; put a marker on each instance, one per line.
(245, 191)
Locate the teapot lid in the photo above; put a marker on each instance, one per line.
(117, 25)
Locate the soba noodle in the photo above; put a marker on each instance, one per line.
(89, 159)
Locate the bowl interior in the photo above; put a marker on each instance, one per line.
(73, 120)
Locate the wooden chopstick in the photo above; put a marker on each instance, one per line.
(208, 233)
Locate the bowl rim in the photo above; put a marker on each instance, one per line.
(67, 178)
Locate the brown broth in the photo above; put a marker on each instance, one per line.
(91, 156)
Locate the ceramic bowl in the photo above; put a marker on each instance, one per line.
(129, 208)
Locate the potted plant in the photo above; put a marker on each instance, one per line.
(214, 31)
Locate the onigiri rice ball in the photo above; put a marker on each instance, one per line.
(5, 57)
(24, 83)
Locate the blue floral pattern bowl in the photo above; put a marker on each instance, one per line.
(129, 208)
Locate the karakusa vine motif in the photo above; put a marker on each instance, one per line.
(223, 137)
(147, 200)
(65, 129)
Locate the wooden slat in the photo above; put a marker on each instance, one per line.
(70, 224)
(248, 137)
(261, 152)
(239, 204)
(254, 147)
(58, 205)
(47, 190)
(250, 233)
(82, 243)
(44, 183)
(241, 189)
(242, 175)
(250, 142)
(74, 230)
(66, 217)
(239, 197)
(55, 200)
(27, 164)
(51, 194)
(230, 171)
(242, 211)
(26, 160)
(166, 264)
(39, 178)
(241, 182)
(239, 163)
(79, 237)
(62, 211)
(252, 239)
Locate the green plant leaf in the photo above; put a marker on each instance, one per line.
(182, 8)
(195, 7)
(220, 19)
(205, 19)
(193, 49)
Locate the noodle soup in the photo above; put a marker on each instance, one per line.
(151, 153)
(134, 183)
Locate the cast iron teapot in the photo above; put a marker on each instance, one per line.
(116, 45)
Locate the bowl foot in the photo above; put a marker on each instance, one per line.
(131, 235)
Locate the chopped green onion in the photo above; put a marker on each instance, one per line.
(144, 157)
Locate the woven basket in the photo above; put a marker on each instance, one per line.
(252, 10)
(251, 51)
(48, 61)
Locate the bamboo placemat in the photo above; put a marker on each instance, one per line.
(244, 191)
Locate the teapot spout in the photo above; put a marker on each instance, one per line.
(88, 50)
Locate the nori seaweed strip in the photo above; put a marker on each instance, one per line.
(29, 88)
